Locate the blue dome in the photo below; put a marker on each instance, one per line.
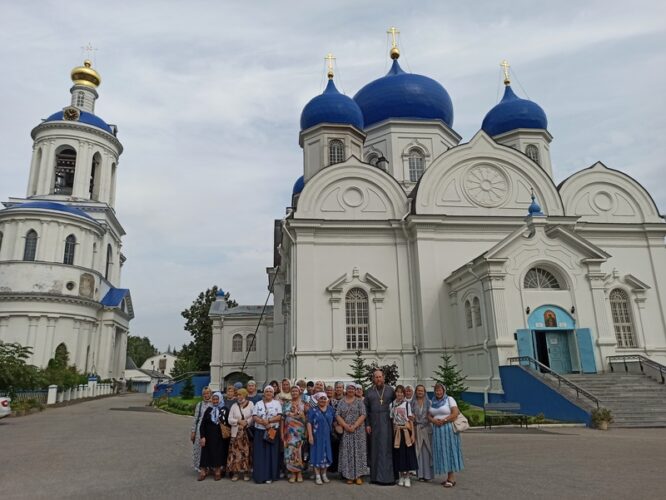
(84, 117)
(331, 107)
(50, 205)
(534, 209)
(299, 185)
(404, 95)
(511, 113)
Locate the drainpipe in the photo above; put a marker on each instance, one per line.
(485, 342)
(417, 353)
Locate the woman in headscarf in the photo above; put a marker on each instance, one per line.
(446, 449)
(293, 435)
(350, 415)
(213, 451)
(421, 410)
(240, 419)
(199, 411)
(320, 427)
(267, 414)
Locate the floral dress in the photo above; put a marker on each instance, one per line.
(293, 435)
(321, 454)
(353, 457)
(199, 411)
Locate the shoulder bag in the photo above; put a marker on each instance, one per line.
(460, 424)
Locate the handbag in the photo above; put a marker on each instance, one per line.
(460, 424)
(270, 434)
(226, 431)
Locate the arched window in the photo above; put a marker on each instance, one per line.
(93, 189)
(109, 255)
(624, 328)
(64, 171)
(416, 164)
(532, 151)
(70, 247)
(336, 152)
(251, 343)
(61, 356)
(80, 99)
(30, 249)
(540, 278)
(468, 314)
(237, 343)
(476, 311)
(356, 308)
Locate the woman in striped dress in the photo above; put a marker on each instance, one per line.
(199, 411)
(446, 447)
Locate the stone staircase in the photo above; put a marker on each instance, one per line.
(634, 400)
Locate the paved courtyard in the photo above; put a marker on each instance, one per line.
(119, 448)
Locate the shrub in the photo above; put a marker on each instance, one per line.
(601, 415)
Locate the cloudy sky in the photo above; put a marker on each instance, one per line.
(207, 97)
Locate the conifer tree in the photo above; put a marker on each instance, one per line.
(187, 391)
(452, 378)
(358, 370)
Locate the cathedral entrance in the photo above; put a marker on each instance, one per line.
(552, 350)
(553, 339)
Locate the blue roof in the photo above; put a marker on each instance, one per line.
(299, 185)
(51, 205)
(404, 95)
(114, 297)
(331, 107)
(512, 113)
(84, 117)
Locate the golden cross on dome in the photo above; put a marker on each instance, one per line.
(395, 52)
(88, 51)
(505, 67)
(329, 64)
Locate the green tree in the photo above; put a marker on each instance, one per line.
(453, 379)
(187, 391)
(140, 349)
(15, 372)
(391, 372)
(358, 371)
(197, 353)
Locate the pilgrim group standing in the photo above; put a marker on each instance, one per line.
(392, 434)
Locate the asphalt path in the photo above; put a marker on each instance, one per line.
(118, 447)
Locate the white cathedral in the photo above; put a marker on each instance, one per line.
(404, 243)
(60, 245)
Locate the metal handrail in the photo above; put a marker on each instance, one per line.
(642, 360)
(560, 379)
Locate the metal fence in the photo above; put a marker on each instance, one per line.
(39, 396)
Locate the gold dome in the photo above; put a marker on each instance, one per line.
(86, 75)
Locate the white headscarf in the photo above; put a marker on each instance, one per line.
(215, 414)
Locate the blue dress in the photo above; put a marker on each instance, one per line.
(321, 454)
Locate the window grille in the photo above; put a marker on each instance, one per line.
(336, 152)
(64, 172)
(251, 343)
(356, 308)
(540, 278)
(533, 153)
(237, 343)
(30, 249)
(624, 328)
(416, 165)
(70, 246)
(476, 310)
(468, 314)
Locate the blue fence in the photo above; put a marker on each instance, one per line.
(199, 382)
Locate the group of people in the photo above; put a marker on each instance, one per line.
(390, 434)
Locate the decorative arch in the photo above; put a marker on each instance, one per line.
(65, 167)
(602, 194)
(352, 191)
(70, 248)
(30, 248)
(550, 316)
(483, 177)
(541, 278)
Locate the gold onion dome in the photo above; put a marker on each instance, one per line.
(86, 75)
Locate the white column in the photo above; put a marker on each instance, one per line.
(47, 169)
(52, 395)
(80, 393)
(105, 178)
(61, 396)
(19, 245)
(68, 394)
(82, 172)
(34, 170)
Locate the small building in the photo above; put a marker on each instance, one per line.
(142, 380)
(162, 363)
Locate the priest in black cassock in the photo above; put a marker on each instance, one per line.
(380, 430)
